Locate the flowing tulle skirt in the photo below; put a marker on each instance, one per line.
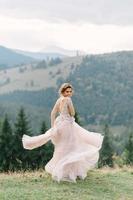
(76, 149)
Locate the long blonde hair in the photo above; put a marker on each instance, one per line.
(63, 87)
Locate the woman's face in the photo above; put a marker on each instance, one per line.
(67, 92)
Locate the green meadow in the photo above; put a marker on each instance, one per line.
(100, 184)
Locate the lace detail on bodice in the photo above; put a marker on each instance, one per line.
(63, 107)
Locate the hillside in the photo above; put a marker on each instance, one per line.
(29, 77)
(105, 81)
(109, 184)
(9, 58)
(103, 89)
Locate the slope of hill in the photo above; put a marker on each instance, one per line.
(30, 77)
(9, 58)
(104, 88)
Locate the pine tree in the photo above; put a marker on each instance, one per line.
(47, 151)
(41, 155)
(129, 149)
(21, 127)
(106, 152)
(77, 120)
(0, 124)
(43, 128)
(38, 155)
(6, 143)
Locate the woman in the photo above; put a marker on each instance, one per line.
(76, 150)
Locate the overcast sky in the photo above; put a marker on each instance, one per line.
(93, 26)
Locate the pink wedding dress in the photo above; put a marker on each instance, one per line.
(76, 150)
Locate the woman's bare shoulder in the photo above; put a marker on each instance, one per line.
(59, 99)
(66, 98)
(62, 98)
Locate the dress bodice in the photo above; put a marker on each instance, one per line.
(63, 106)
(64, 113)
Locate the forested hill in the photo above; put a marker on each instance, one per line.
(103, 89)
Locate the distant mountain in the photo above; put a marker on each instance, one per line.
(9, 58)
(51, 52)
(63, 51)
(40, 55)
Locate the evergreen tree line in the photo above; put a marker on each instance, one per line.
(12, 154)
(48, 63)
(14, 157)
(108, 157)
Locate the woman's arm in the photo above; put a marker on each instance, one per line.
(70, 106)
(53, 113)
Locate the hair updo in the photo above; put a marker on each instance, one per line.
(63, 87)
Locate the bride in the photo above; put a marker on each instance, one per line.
(76, 150)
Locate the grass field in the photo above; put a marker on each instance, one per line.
(100, 184)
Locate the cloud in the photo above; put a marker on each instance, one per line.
(95, 26)
(77, 11)
(36, 34)
(28, 34)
